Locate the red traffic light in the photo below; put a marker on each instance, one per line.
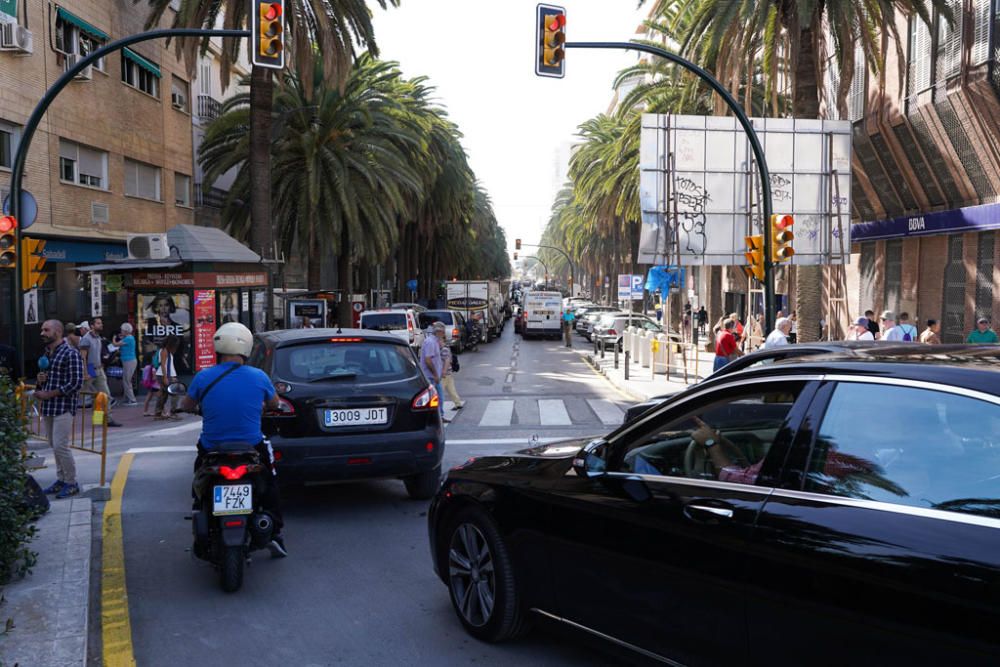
(271, 12)
(7, 224)
(558, 21)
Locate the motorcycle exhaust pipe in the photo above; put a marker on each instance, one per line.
(261, 527)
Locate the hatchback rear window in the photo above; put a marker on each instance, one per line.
(345, 362)
(383, 321)
(427, 319)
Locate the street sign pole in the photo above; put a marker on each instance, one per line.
(21, 157)
(758, 150)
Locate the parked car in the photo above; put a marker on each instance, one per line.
(455, 333)
(586, 322)
(397, 321)
(610, 328)
(415, 307)
(830, 510)
(354, 405)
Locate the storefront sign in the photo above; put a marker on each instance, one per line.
(969, 219)
(80, 252)
(197, 280)
(204, 329)
(162, 280)
(234, 279)
(96, 294)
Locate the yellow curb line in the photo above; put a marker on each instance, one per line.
(116, 627)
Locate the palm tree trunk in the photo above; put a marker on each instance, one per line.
(315, 258)
(345, 269)
(261, 232)
(809, 279)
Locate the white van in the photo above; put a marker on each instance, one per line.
(397, 321)
(542, 314)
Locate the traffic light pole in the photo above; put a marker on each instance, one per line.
(543, 266)
(758, 150)
(572, 269)
(17, 173)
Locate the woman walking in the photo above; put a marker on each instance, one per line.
(165, 374)
(126, 346)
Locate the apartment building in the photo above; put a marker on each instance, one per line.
(113, 155)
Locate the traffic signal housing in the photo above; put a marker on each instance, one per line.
(755, 257)
(32, 263)
(515, 256)
(550, 38)
(517, 244)
(267, 41)
(782, 237)
(8, 242)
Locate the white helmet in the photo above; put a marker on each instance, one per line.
(233, 338)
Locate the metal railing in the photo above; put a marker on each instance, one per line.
(209, 108)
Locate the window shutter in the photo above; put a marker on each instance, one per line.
(131, 178)
(91, 162)
(981, 35)
(832, 82)
(67, 149)
(856, 95)
(149, 181)
(949, 44)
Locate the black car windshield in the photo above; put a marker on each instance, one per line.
(362, 362)
(383, 321)
(431, 316)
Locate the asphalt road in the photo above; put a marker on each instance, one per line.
(358, 587)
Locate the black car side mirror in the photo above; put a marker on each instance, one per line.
(591, 461)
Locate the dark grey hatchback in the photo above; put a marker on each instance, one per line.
(353, 405)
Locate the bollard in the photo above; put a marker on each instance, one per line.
(598, 343)
(626, 364)
(616, 356)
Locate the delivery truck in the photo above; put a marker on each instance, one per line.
(478, 300)
(542, 314)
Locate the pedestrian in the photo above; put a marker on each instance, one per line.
(982, 333)
(431, 364)
(725, 346)
(126, 346)
(449, 366)
(872, 324)
(793, 331)
(57, 393)
(702, 320)
(932, 334)
(738, 331)
(910, 334)
(900, 331)
(859, 330)
(779, 336)
(150, 382)
(72, 335)
(166, 373)
(91, 351)
(888, 321)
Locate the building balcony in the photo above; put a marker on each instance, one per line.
(209, 108)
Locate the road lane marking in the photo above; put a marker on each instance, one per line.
(190, 449)
(552, 412)
(116, 627)
(609, 413)
(174, 430)
(498, 413)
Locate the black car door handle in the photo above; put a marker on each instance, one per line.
(703, 512)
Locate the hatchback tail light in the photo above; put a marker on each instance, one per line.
(612, 332)
(454, 333)
(428, 399)
(284, 409)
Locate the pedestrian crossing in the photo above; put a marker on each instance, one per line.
(551, 412)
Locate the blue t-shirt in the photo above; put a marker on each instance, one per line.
(127, 348)
(231, 411)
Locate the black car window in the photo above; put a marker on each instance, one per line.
(909, 446)
(383, 321)
(741, 426)
(429, 318)
(345, 362)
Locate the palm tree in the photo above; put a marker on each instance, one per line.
(332, 28)
(794, 38)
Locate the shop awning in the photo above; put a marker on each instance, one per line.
(123, 266)
(141, 62)
(81, 24)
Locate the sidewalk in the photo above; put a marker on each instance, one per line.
(49, 608)
(641, 385)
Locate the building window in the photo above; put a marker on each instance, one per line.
(893, 274)
(984, 275)
(935, 51)
(140, 73)
(856, 94)
(142, 180)
(74, 37)
(81, 165)
(182, 189)
(10, 135)
(953, 329)
(179, 93)
(980, 52)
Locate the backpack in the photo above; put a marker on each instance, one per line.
(907, 328)
(454, 363)
(156, 359)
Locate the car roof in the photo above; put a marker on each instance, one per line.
(283, 337)
(974, 367)
(386, 311)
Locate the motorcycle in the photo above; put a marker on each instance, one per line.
(228, 521)
(474, 335)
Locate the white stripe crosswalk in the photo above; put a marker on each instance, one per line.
(552, 412)
(494, 413)
(498, 413)
(609, 413)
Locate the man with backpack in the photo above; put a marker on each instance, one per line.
(903, 331)
(92, 351)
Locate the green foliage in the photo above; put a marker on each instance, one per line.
(16, 528)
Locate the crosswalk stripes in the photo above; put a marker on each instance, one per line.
(498, 413)
(609, 413)
(552, 412)
(570, 411)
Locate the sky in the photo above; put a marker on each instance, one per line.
(518, 127)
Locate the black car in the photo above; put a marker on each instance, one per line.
(825, 510)
(455, 333)
(354, 405)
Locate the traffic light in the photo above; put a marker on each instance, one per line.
(8, 242)
(517, 244)
(515, 256)
(32, 263)
(550, 23)
(267, 41)
(781, 238)
(755, 257)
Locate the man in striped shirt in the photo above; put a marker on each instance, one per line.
(57, 394)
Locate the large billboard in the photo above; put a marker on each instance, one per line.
(695, 191)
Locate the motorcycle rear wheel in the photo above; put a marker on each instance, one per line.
(231, 570)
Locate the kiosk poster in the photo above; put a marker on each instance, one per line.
(204, 329)
(167, 314)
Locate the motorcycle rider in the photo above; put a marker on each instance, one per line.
(231, 411)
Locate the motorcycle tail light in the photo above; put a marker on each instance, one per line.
(427, 400)
(234, 523)
(233, 473)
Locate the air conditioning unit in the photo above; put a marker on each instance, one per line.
(178, 100)
(70, 61)
(147, 246)
(14, 37)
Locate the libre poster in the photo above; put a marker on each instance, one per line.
(204, 329)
